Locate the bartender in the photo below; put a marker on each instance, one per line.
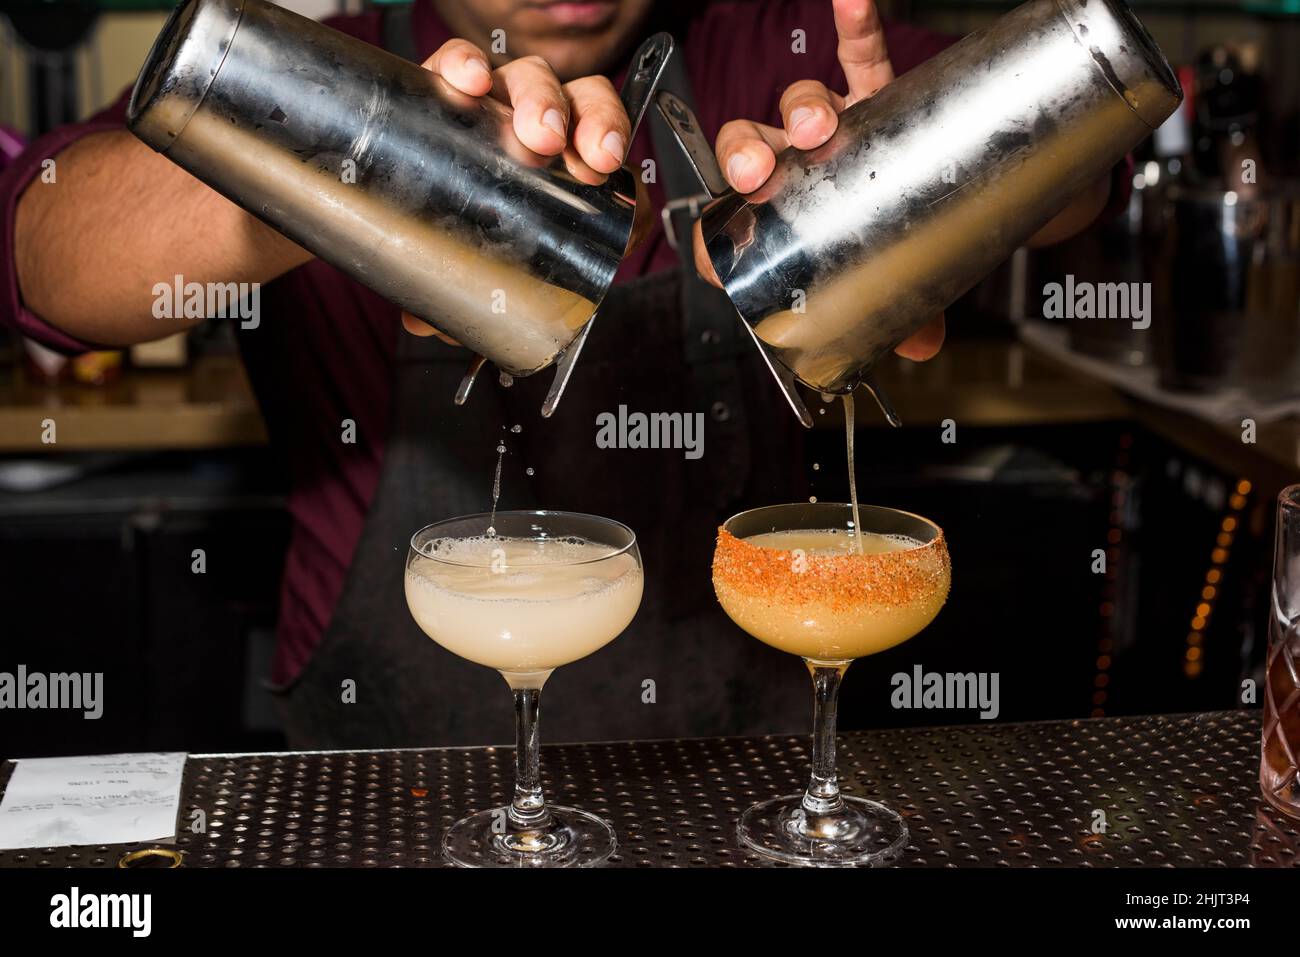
(81, 251)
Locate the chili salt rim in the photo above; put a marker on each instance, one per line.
(841, 581)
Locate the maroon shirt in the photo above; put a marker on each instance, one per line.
(324, 349)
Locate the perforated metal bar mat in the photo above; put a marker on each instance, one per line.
(1174, 790)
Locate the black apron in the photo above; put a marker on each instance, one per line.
(663, 343)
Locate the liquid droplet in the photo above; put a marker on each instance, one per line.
(528, 471)
(816, 467)
(501, 447)
(516, 429)
(813, 499)
(506, 380)
(821, 411)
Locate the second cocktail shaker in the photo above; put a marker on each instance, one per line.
(928, 185)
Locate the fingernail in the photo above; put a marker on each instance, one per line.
(736, 167)
(800, 116)
(613, 145)
(553, 119)
(477, 66)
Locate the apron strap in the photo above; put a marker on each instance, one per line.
(709, 330)
(712, 341)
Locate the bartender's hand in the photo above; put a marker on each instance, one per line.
(583, 119)
(809, 113)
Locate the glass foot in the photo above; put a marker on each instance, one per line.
(573, 839)
(865, 832)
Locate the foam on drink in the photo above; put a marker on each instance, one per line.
(522, 606)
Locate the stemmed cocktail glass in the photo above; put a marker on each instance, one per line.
(525, 592)
(801, 578)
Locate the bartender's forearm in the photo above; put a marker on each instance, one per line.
(121, 218)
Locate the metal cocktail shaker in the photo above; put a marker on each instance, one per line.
(384, 170)
(1227, 264)
(928, 185)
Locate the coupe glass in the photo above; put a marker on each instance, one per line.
(525, 592)
(823, 600)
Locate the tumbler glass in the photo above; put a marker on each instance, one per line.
(1280, 753)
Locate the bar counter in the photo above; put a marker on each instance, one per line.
(1175, 791)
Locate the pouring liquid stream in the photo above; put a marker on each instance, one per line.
(496, 480)
(496, 489)
(853, 478)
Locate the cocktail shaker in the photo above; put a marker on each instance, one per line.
(384, 170)
(925, 187)
(1228, 266)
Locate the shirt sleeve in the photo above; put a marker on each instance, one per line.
(26, 172)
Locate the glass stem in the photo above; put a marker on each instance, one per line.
(528, 807)
(823, 794)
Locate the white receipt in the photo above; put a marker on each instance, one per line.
(101, 799)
